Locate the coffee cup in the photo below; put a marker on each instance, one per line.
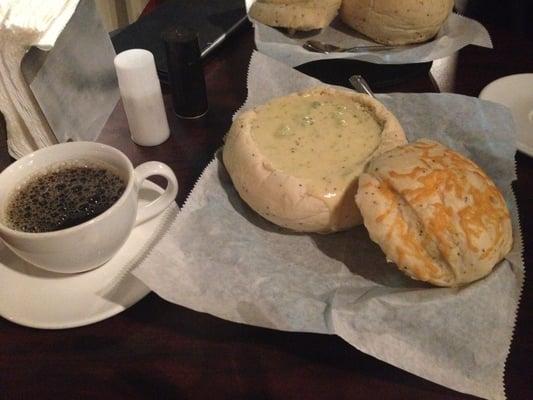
(91, 243)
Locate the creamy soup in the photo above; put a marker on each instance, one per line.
(325, 140)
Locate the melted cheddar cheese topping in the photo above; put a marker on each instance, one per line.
(482, 209)
(442, 207)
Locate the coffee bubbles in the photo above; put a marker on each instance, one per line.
(63, 195)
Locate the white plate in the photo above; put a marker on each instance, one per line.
(36, 298)
(515, 92)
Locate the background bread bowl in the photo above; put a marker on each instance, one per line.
(302, 15)
(396, 22)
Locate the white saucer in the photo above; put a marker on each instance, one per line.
(36, 298)
(515, 92)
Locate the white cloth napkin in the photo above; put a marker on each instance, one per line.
(26, 23)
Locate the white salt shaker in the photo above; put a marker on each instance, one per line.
(142, 98)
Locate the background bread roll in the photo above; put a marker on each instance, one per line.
(434, 213)
(396, 22)
(305, 178)
(302, 15)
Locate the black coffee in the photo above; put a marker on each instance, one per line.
(63, 196)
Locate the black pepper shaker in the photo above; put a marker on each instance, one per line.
(185, 72)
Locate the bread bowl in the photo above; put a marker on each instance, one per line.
(434, 213)
(296, 159)
(396, 22)
(302, 15)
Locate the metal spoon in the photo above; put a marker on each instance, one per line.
(320, 47)
(361, 85)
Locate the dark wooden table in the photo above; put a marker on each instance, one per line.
(160, 350)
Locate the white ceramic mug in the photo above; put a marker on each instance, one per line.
(91, 243)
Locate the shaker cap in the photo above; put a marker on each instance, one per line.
(182, 41)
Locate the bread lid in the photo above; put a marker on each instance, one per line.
(434, 213)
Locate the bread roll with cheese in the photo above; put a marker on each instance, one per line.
(396, 22)
(434, 213)
(296, 159)
(302, 15)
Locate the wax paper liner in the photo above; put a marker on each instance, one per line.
(220, 257)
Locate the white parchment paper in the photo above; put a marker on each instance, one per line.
(456, 33)
(221, 258)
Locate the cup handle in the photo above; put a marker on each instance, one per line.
(157, 206)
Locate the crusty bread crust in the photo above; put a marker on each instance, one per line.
(434, 213)
(302, 15)
(396, 22)
(286, 200)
